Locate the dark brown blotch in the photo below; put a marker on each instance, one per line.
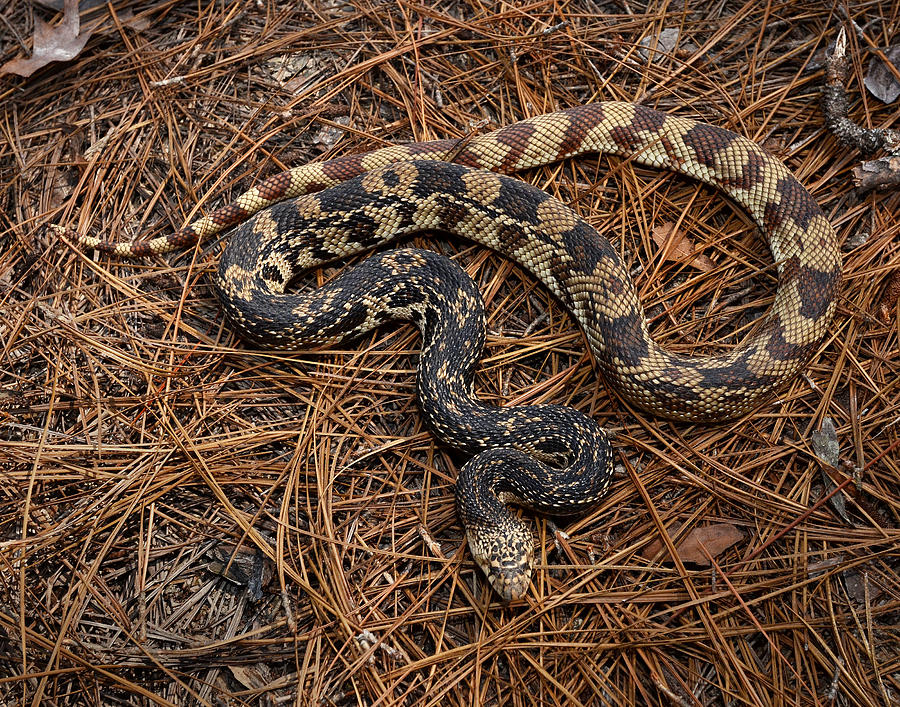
(516, 137)
(581, 120)
(731, 380)
(796, 202)
(626, 137)
(676, 393)
(751, 173)
(773, 215)
(625, 338)
(182, 238)
(707, 141)
(672, 152)
(782, 350)
(510, 237)
(344, 167)
(520, 201)
(777, 346)
(451, 214)
(817, 289)
(790, 269)
(647, 119)
(228, 215)
(313, 187)
(274, 187)
(137, 249)
(587, 249)
(734, 375)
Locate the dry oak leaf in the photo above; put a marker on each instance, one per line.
(677, 246)
(60, 42)
(715, 539)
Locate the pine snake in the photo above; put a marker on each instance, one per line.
(548, 457)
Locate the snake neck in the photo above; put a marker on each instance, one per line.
(500, 543)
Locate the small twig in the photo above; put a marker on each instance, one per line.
(836, 106)
(432, 545)
(463, 142)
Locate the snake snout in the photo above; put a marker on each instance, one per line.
(505, 555)
(509, 582)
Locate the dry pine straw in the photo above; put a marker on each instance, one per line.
(205, 523)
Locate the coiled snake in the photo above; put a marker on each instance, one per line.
(548, 457)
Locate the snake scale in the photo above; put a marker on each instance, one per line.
(548, 457)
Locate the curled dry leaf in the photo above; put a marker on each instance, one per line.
(662, 44)
(677, 246)
(881, 81)
(60, 42)
(825, 443)
(252, 677)
(826, 446)
(242, 566)
(714, 539)
(861, 584)
(665, 44)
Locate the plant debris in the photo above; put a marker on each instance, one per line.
(881, 81)
(887, 306)
(699, 545)
(873, 174)
(59, 42)
(676, 246)
(828, 449)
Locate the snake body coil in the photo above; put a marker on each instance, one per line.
(371, 198)
(551, 458)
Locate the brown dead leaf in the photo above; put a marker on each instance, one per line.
(888, 303)
(252, 677)
(825, 443)
(828, 449)
(243, 566)
(859, 584)
(679, 247)
(51, 43)
(715, 539)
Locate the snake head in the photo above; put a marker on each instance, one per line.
(504, 553)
